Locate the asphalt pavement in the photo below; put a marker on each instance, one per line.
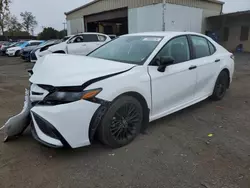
(204, 146)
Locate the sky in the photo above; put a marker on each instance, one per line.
(50, 13)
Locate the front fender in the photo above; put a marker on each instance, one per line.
(136, 80)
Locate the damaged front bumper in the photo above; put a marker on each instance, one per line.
(64, 125)
(16, 125)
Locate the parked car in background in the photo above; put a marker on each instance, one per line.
(44, 46)
(25, 52)
(4, 48)
(80, 44)
(15, 51)
(116, 90)
(5, 44)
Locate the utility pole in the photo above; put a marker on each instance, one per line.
(163, 15)
(64, 28)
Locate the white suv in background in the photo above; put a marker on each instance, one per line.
(80, 44)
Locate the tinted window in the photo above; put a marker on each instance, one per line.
(34, 43)
(201, 47)
(176, 48)
(128, 49)
(77, 39)
(212, 48)
(90, 38)
(102, 38)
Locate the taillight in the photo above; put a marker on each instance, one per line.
(232, 57)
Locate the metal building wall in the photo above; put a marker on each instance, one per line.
(106, 5)
(191, 19)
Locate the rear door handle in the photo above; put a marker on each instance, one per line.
(192, 67)
(217, 60)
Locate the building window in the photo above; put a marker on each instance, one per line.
(244, 33)
(226, 34)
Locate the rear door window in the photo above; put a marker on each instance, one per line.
(200, 45)
(212, 48)
(90, 38)
(102, 38)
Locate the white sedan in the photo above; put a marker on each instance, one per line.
(115, 91)
(80, 44)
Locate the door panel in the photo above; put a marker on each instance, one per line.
(172, 88)
(206, 73)
(77, 48)
(207, 64)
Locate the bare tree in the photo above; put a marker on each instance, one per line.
(29, 21)
(4, 14)
(13, 26)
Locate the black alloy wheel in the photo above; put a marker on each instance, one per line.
(122, 122)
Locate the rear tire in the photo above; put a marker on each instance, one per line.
(121, 123)
(221, 86)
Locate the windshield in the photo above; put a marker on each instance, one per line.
(128, 49)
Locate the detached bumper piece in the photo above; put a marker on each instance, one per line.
(43, 130)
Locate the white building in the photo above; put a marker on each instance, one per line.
(130, 16)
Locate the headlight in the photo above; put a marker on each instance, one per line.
(64, 97)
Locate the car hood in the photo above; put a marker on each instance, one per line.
(70, 70)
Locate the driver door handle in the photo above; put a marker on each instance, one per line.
(192, 67)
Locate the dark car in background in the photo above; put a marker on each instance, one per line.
(25, 52)
(44, 46)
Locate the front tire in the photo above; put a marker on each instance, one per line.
(121, 123)
(17, 53)
(221, 86)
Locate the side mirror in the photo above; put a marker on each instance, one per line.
(163, 62)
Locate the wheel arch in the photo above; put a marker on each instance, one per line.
(143, 102)
(100, 112)
(228, 74)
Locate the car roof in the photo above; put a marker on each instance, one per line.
(35, 41)
(90, 33)
(163, 34)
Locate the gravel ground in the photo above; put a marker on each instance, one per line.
(175, 152)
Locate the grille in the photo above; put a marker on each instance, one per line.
(44, 126)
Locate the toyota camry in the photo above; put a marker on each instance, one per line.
(116, 90)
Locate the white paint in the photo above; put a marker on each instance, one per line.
(150, 18)
(165, 92)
